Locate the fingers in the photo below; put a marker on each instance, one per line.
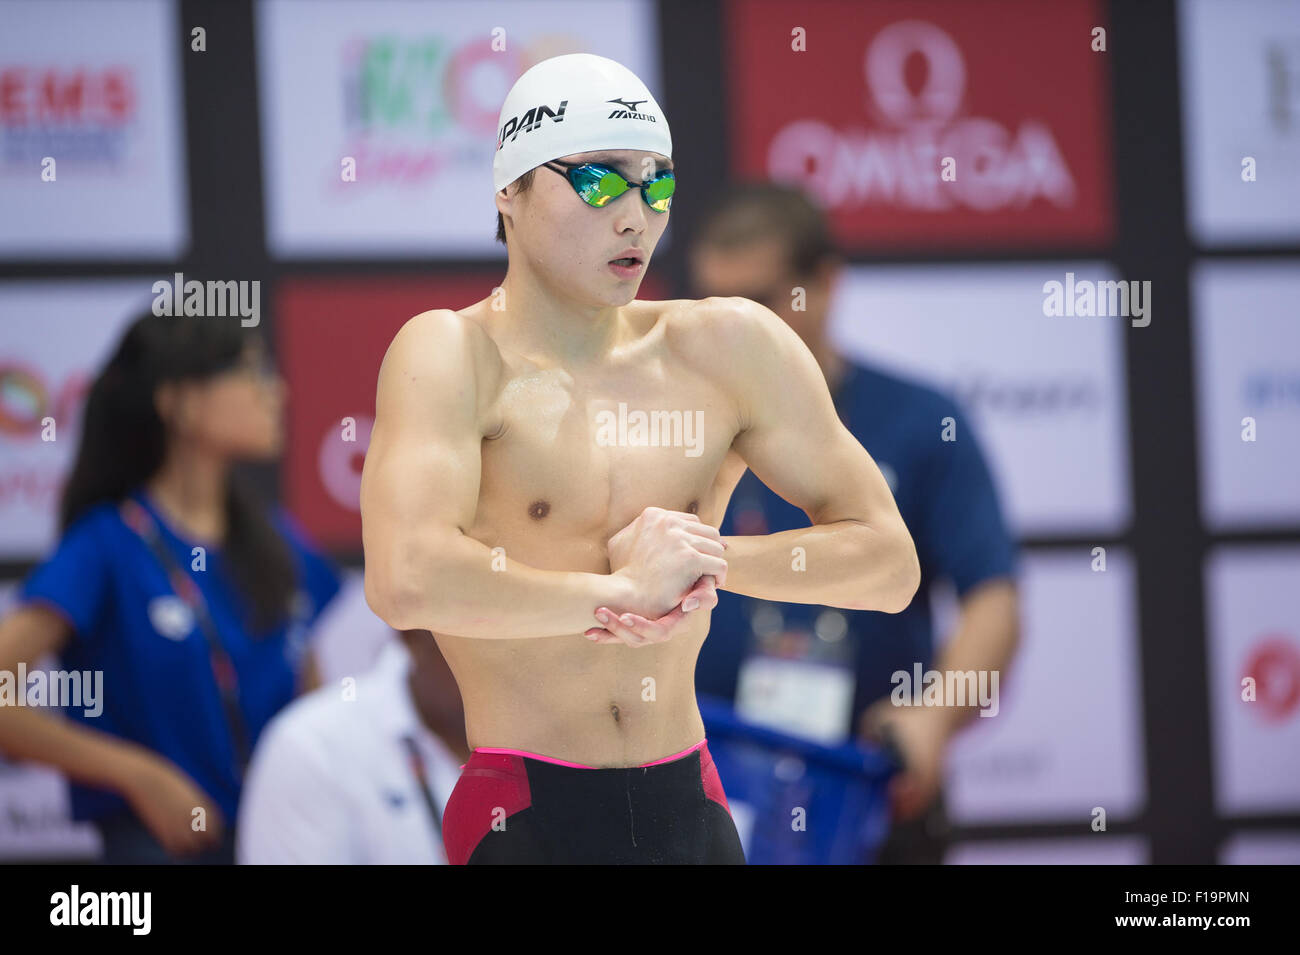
(619, 631)
(705, 532)
(631, 629)
(703, 594)
(715, 566)
(707, 545)
(636, 631)
(700, 529)
(707, 540)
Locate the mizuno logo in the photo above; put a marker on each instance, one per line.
(629, 112)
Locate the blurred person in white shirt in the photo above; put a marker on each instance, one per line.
(359, 773)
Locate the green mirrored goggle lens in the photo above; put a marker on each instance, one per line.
(610, 186)
(598, 186)
(659, 193)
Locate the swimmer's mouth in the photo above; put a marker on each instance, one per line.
(630, 258)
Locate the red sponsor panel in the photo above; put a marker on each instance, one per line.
(931, 124)
(332, 335)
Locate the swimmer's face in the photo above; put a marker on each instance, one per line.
(570, 243)
(236, 414)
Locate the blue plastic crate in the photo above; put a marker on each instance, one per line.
(842, 790)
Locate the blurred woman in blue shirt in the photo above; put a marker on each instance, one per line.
(173, 584)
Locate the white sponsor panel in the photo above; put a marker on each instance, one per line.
(1247, 353)
(1240, 65)
(55, 336)
(1098, 849)
(34, 817)
(1046, 393)
(1067, 737)
(1261, 848)
(411, 93)
(92, 160)
(1253, 632)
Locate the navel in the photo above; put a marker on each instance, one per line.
(613, 711)
(693, 507)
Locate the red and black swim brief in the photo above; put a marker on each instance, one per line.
(514, 807)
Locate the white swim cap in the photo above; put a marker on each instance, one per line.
(576, 103)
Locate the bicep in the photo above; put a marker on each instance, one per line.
(794, 441)
(421, 474)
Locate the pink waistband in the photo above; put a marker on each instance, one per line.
(565, 762)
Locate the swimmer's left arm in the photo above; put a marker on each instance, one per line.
(858, 555)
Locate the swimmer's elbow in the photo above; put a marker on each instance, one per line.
(410, 609)
(398, 592)
(906, 580)
(384, 603)
(422, 595)
(415, 581)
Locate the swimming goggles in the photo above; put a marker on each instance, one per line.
(598, 185)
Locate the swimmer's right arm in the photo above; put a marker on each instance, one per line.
(419, 492)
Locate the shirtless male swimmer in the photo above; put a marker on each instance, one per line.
(503, 511)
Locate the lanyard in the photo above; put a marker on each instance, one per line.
(416, 762)
(139, 520)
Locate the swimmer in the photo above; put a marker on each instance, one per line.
(546, 476)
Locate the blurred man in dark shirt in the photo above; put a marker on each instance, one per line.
(769, 243)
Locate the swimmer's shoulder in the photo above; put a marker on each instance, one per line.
(717, 333)
(740, 345)
(450, 346)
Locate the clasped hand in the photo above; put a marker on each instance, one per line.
(673, 559)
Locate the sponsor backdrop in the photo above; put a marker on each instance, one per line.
(1046, 394)
(91, 110)
(864, 120)
(410, 94)
(1241, 120)
(1079, 218)
(54, 336)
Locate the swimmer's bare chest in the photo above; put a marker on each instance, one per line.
(571, 457)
